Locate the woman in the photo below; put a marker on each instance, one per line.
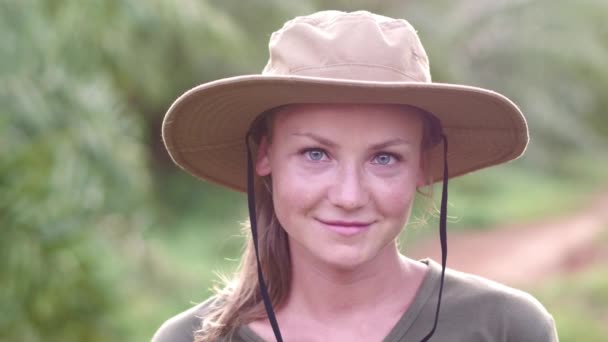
(332, 142)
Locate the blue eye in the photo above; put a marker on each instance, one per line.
(384, 159)
(315, 154)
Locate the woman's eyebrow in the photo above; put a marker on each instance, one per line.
(378, 146)
(391, 142)
(317, 138)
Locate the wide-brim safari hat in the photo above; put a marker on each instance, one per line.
(338, 57)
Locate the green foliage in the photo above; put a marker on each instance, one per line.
(579, 305)
(72, 174)
(515, 193)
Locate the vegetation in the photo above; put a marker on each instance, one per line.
(579, 305)
(102, 238)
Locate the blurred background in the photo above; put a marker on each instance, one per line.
(103, 238)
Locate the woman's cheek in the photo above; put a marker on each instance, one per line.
(395, 199)
(295, 193)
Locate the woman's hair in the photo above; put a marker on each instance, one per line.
(239, 301)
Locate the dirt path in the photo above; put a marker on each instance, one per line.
(524, 254)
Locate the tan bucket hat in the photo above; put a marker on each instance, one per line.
(338, 57)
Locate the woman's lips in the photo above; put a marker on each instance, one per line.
(346, 228)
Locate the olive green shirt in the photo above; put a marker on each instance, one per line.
(473, 309)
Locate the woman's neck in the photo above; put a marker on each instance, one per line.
(388, 282)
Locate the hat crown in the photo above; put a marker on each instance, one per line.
(355, 46)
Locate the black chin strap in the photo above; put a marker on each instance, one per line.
(443, 235)
(254, 234)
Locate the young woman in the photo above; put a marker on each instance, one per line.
(332, 142)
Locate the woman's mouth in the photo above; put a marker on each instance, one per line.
(346, 228)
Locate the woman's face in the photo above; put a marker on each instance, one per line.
(343, 178)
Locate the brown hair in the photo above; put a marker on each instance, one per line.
(239, 301)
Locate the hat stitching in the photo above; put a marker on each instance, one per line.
(294, 70)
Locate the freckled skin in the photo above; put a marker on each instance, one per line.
(326, 165)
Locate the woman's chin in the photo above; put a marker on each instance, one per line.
(344, 260)
(329, 255)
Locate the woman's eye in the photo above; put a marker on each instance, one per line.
(384, 159)
(315, 154)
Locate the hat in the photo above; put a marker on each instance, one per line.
(338, 57)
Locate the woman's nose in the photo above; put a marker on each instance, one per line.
(348, 190)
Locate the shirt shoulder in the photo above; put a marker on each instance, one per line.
(496, 311)
(181, 327)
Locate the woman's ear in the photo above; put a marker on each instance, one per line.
(422, 178)
(262, 161)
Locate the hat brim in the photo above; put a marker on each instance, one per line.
(205, 128)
